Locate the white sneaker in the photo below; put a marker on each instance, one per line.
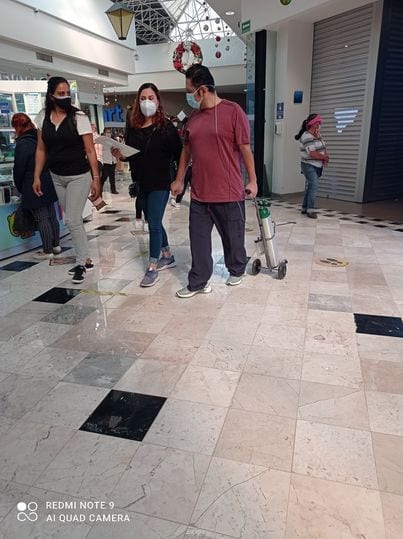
(138, 224)
(40, 255)
(145, 227)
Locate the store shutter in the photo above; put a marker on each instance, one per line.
(339, 77)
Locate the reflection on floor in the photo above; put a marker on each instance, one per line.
(267, 410)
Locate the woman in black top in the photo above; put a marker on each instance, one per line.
(42, 208)
(159, 145)
(65, 142)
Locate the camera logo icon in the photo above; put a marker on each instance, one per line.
(27, 511)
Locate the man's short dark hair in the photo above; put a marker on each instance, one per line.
(200, 76)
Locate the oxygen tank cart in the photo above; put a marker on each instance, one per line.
(267, 237)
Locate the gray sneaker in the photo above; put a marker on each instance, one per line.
(150, 278)
(234, 281)
(186, 293)
(165, 263)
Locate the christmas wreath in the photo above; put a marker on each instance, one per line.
(186, 47)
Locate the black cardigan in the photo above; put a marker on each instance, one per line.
(23, 172)
(159, 149)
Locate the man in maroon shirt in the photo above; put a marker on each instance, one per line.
(216, 138)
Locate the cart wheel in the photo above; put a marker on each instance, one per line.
(282, 269)
(256, 266)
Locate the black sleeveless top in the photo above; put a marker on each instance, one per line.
(64, 147)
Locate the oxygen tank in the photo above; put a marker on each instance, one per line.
(267, 229)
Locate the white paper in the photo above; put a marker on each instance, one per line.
(109, 142)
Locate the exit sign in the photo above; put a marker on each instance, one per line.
(245, 27)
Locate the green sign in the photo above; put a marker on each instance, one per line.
(245, 27)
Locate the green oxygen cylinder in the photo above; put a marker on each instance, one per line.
(267, 228)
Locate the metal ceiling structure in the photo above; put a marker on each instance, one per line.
(161, 21)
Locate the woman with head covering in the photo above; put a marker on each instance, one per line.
(314, 157)
(65, 142)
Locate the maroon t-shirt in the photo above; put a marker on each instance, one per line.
(213, 137)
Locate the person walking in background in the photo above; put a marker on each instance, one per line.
(42, 208)
(159, 144)
(99, 150)
(217, 136)
(108, 165)
(65, 142)
(314, 157)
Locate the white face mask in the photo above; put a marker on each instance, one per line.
(148, 107)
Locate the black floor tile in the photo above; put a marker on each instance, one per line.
(398, 229)
(363, 222)
(18, 265)
(395, 223)
(106, 227)
(328, 215)
(123, 219)
(111, 211)
(125, 415)
(388, 326)
(381, 226)
(345, 219)
(58, 295)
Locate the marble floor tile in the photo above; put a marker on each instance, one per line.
(293, 316)
(323, 509)
(134, 320)
(327, 302)
(187, 425)
(11, 527)
(99, 369)
(5, 425)
(10, 495)
(89, 466)
(104, 340)
(40, 334)
(257, 438)
(27, 448)
(162, 482)
(380, 348)
(334, 405)
(197, 533)
(144, 527)
(388, 452)
(329, 288)
(334, 453)
(18, 265)
(385, 412)
(18, 394)
(280, 336)
(242, 500)
(68, 314)
(331, 321)
(66, 404)
(220, 354)
(387, 326)
(236, 331)
(393, 515)
(15, 322)
(52, 363)
(273, 361)
(385, 376)
(329, 369)
(266, 394)
(151, 377)
(206, 385)
(171, 348)
(14, 357)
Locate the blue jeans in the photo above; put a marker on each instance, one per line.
(311, 174)
(153, 204)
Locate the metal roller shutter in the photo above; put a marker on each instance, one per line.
(339, 77)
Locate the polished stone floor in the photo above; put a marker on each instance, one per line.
(268, 410)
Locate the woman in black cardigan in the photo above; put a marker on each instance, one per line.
(42, 208)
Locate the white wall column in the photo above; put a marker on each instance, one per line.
(293, 72)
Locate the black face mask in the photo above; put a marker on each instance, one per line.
(63, 102)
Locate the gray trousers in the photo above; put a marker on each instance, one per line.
(72, 192)
(229, 219)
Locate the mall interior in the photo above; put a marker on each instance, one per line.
(273, 409)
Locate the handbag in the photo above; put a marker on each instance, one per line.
(24, 220)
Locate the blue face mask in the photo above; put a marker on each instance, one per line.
(191, 100)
